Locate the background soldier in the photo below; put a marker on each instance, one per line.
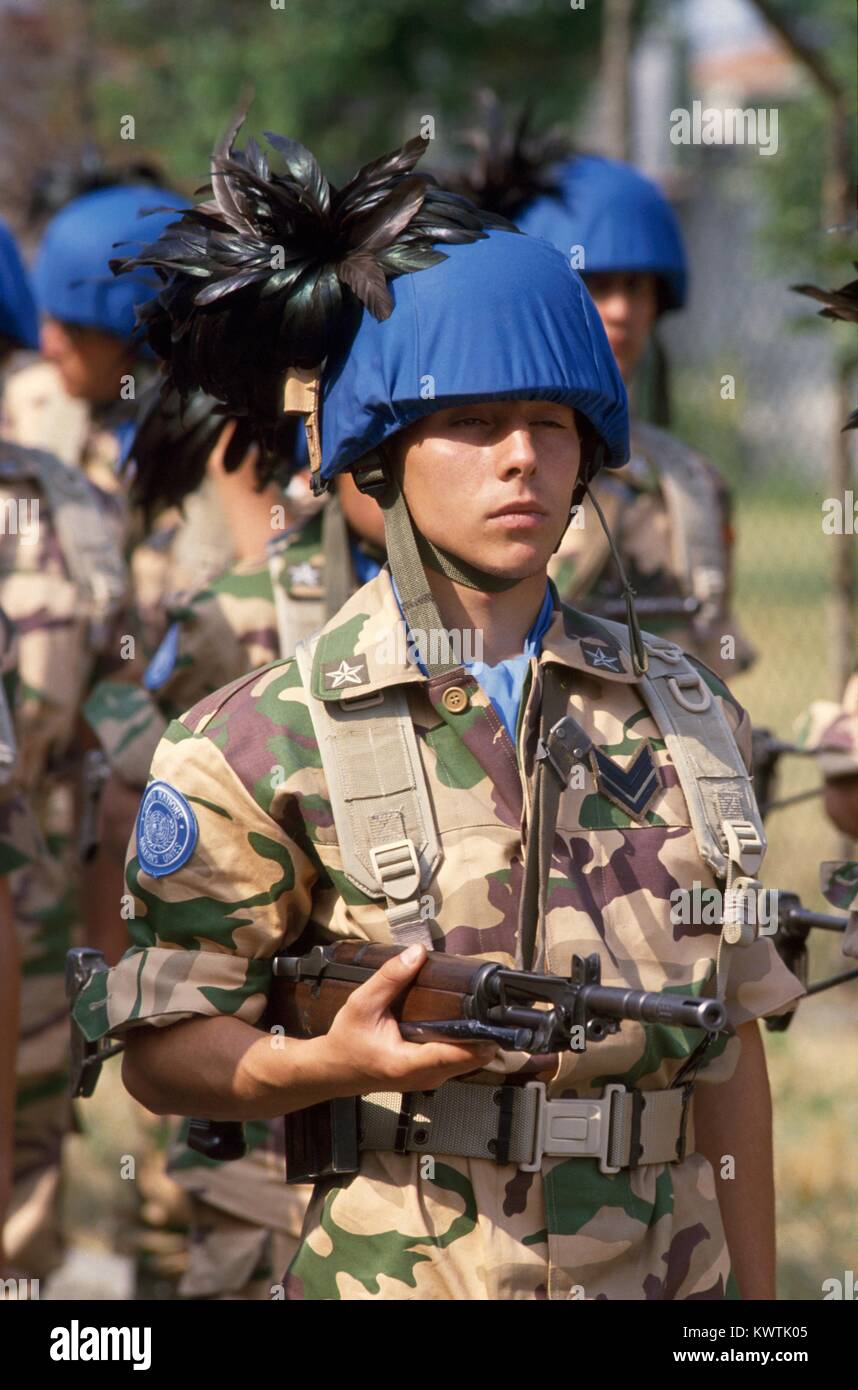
(62, 580)
(240, 848)
(668, 509)
(244, 1224)
(20, 844)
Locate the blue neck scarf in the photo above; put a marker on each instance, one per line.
(503, 682)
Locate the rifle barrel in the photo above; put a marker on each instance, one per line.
(647, 1006)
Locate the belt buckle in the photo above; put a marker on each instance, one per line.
(576, 1128)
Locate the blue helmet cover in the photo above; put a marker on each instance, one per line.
(620, 219)
(503, 318)
(19, 318)
(71, 276)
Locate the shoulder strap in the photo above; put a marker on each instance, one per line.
(694, 507)
(379, 798)
(299, 607)
(715, 782)
(92, 554)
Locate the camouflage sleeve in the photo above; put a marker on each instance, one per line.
(20, 838)
(832, 729)
(128, 725)
(218, 883)
(215, 635)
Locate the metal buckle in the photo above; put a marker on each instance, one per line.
(681, 688)
(575, 1128)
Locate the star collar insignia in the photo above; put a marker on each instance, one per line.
(338, 676)
(304, 576)
(601, 655)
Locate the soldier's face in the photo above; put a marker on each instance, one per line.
(628, 306)
(492, 482)
(91, 363)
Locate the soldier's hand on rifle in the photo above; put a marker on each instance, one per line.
(364, 1050)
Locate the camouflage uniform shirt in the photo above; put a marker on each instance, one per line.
(266, 867)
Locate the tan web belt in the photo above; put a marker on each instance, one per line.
(518, 1124)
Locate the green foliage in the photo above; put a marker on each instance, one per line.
(348, 77)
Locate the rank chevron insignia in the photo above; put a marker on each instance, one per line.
(632, 788)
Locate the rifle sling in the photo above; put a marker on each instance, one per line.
(545, 804)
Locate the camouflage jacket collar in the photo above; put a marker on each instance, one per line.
(365, 648)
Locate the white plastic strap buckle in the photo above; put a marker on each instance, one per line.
(571, 1128)
(397, 869)
(745, 845)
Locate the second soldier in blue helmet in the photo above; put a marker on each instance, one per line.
(81, 401)
(387, 786)
(668, 510)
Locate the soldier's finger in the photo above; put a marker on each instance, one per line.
(377, 993)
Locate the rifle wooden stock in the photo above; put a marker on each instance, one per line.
(307, 1008)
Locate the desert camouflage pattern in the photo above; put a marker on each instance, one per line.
(267, 868)
(832, 729)
(641, 524)
(30, 1242)
(220, 631)
(55, 662)
(839, 883)
(183, 550)
(244, 1223)
(38, 413)
(21, 841)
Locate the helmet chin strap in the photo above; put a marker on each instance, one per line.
(640, 660)
(408, 552)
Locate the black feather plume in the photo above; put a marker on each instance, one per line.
(509, 165)
(839, 304)
(273, 271)
(174, 440)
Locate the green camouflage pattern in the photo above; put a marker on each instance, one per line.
(183, 551)
(55, 662)
(21, 841)
(641, 524)
(245, 1219)
(839, 883)
(267, 868)
(224, 629)
(832, 729)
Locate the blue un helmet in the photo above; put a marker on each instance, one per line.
(287, 293)
(622, 221)
(502, 318)
(18, 317)
(71, 275)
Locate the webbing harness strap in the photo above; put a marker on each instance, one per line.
(716, 785)
(93, 557)
(379, 799)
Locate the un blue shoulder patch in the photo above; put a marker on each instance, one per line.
(160, 668)
(167, 830)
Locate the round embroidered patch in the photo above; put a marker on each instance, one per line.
(166, 830)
